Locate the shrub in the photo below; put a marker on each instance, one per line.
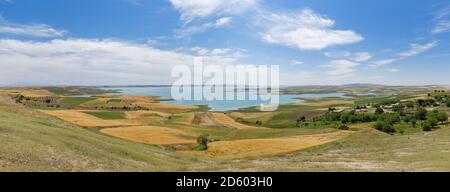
(202, 142)
(343, 127)
(421, 113)
(414, 122)
(384, 127)
(442, 117)
(379, 110)
(432, 121)
(426, 126)
(200, 148)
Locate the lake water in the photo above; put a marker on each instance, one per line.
(218, 105)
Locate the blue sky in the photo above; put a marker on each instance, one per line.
(86, 42)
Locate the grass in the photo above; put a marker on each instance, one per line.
(31, 141)
(76, 100)
(107, 115)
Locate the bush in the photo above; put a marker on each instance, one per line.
(379, 110)
(200, 148)
(421, 113)
(384, 127)
(432, 121)
(343, 127)
(426, 126)
(442, 117)
(202, 142)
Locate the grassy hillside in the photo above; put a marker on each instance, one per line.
(31, 141)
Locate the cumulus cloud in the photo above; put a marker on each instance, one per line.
(305, 30)
(36, 30)
(194, 9)
(342, 68)
(91, 62)
(418, 48)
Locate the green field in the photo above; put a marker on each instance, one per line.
(76, 100)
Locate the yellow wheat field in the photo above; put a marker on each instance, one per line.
(85, 120)
(151, 135)
(226, 121)
(250, 148)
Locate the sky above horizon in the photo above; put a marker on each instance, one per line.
(315, 42)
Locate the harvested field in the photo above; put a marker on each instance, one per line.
(222, 119)
(248, 148)
(151, 135)
(139, 114)
(262, 116)
(85, 120)
(29, 92)
(165, 107)
(203, 119)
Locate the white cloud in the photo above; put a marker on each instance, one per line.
(384, 62)
(36, 30)
(337, 54)
(193, 9)
(441, 27)
(342, 68)
(224, 21)
(418, 48)
(193, 29)
(413, 51)
(296, 62)
(393, 70)
(361, 56)
(306, 30)
(91, 62)
(441, 20)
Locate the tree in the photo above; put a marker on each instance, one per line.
(410, 105)
(421, 113)
(414, 122)
(426, 126)
(202, 141)
(398, 108)
(379, 111)
(432, 121)
(448, 102)
(384, 127)
(442, 117)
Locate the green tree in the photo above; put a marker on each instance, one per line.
(384, 126)
(379, 111)
(426, 126)
(414, 122)
(432, 121)
(442, 117)
(448, 102)
(202, 141)
(421, 113)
